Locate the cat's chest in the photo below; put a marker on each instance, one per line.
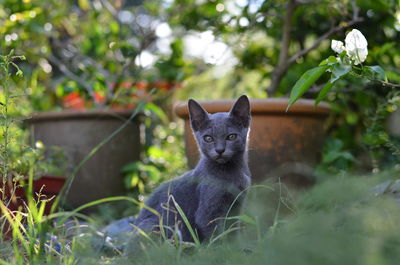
(230, 184)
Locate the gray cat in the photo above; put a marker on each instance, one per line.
(205, 193)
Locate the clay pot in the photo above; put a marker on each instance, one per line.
(282, 144)
(77, 133)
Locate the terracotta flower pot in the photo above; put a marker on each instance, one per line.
(77, 133)
(282, 144)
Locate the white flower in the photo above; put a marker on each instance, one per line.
(356, 46)
(397, 23)
(337, 46)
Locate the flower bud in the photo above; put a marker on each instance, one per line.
(337, 46)
(356, 46)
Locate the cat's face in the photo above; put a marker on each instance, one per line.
(221, 136)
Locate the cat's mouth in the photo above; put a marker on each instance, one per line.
(220, 159)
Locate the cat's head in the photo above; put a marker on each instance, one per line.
(223, 135)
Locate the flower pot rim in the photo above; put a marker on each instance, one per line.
(260, 106)
(79, 114)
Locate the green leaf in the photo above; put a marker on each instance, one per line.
(84, 4)
(376, 72)
(131, 181)
(247, 219)
(127, 49)
(324, 91)
(157, 111)
(19, 73)
(304, 83)
(338, 71)
(242, 218)
(130, 167)
(333, 156)
(334, 144)
(155, 152)
(329, 61)
(352, 118)
(348, 156)
(152, 172)
(375, 138)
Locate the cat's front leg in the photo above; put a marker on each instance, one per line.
(212, 209)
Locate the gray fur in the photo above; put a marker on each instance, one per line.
(206, 192)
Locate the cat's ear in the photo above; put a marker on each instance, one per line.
(197, 115)
(241, 111)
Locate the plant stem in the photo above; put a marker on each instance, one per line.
(5, 62)
(384, 83)
(6, 121)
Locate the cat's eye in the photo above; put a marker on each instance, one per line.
(231, 137)
(208, 138)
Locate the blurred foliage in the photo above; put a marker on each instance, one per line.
(254, 30)
(18, 158)
(85, 54)
(336, 159)
(162, 157)
(111, 53)
(100, 50)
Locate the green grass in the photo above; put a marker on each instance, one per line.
(339, 221)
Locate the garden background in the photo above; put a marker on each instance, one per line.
(141, 57)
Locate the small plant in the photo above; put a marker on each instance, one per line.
(6, 121)
(25, 227)
(348, 62)
(348, 66)
(18, 223)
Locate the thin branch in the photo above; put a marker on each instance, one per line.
(323, 37)
(114, 12)
(389, 84)
(81, 57)
(282, 65)
(287, 28)
(145, 43)
(356, 10)
(63, 68)
(384, 83)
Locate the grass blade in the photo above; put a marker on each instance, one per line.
(186, 221)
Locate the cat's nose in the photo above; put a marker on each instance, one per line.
(220, 150)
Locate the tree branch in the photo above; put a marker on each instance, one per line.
(282, 65)
(63, 68)
(284, 61)
(148, 38)
(323, 37)
(79, 56)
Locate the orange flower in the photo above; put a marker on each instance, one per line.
(73, 101)
(99, 98)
